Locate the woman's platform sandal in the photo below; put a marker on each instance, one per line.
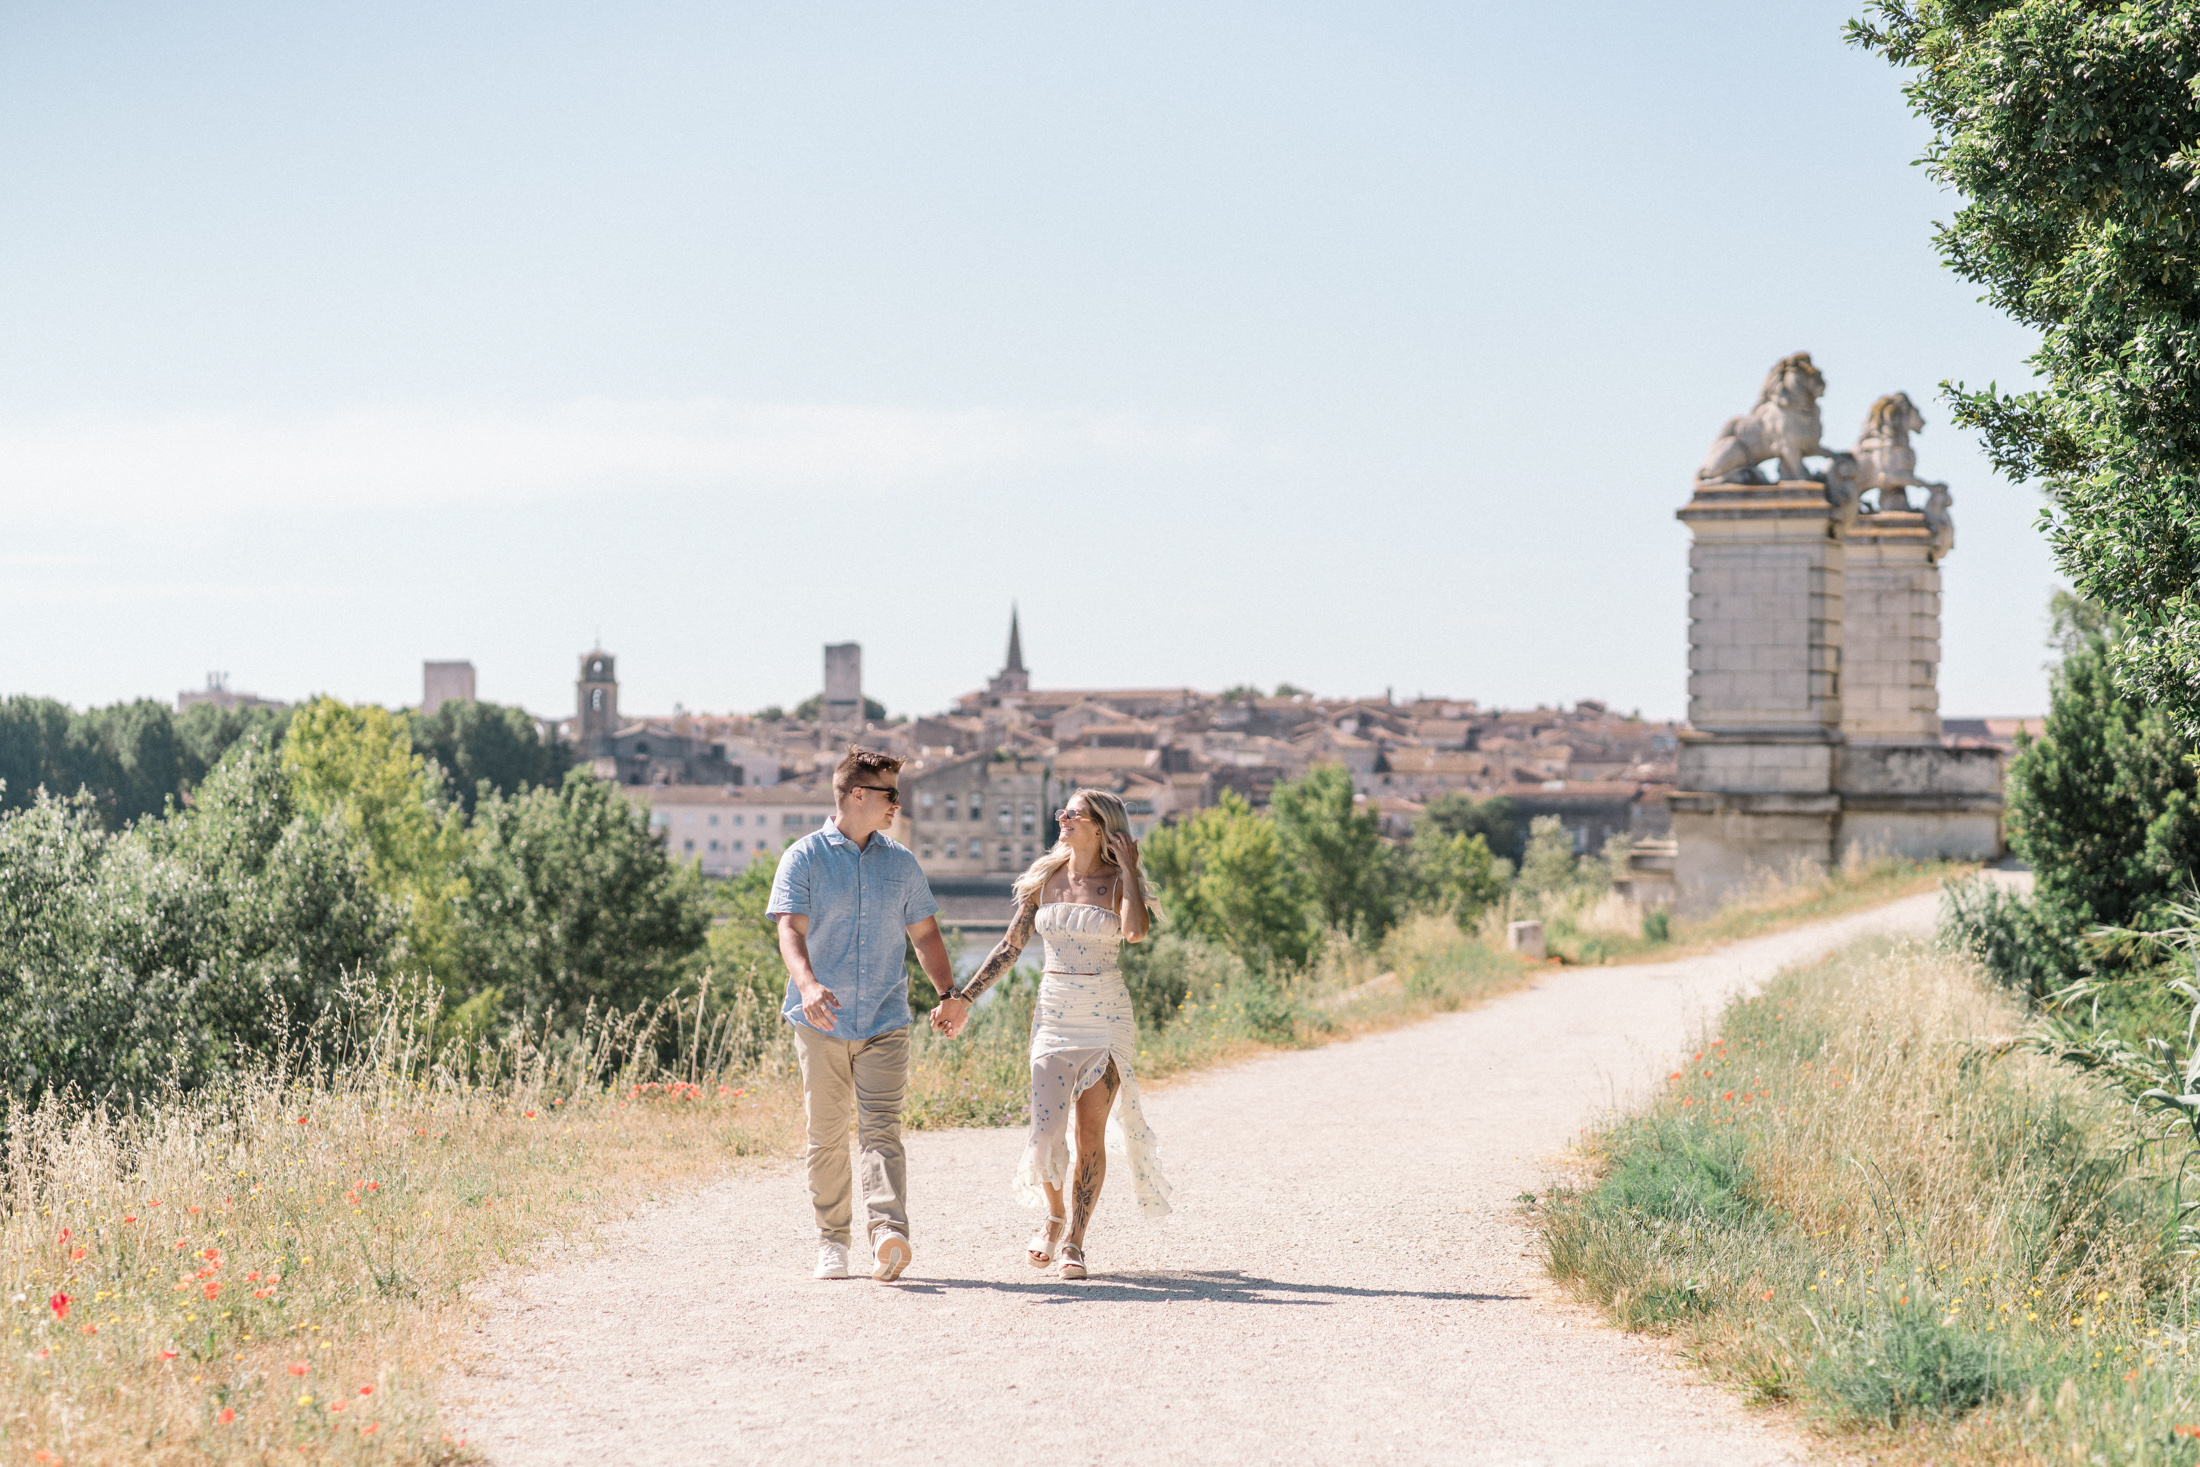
(1073, 1261)
(1039, 1252)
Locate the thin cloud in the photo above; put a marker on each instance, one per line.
(187, 465)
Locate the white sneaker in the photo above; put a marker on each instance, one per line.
(832, 1261)
(892, 1253)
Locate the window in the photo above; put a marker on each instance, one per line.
(977, 806)
(595, 700)
(924, 801)
(740, 819)
(690, 845)
(1030, 851)
(714, 820)
(737, 845)
(714, 845)
(954, 811)
(1008, 857)
(1005, 821)
(953, 849)
(926, 854)
(1031, 817)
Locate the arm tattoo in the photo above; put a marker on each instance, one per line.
(1004, 954)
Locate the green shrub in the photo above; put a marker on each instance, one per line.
(1673, 1170)
(170, 953)
(1167, 969)
(1657, 925)
(1905, 1364)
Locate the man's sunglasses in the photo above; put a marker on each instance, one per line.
(893, 796)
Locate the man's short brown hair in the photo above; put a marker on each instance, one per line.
(858, 764)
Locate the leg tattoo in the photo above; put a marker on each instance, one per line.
(1092, 1157)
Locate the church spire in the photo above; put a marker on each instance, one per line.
(1012, 678)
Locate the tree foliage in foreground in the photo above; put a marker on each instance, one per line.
(165, 953)
(2071, 128)
(2105, 809)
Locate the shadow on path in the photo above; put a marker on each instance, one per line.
(1226, 1286)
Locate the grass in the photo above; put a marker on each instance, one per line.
(275, 1271)
(1597, 925)
(1845, 1201)
(272, 1272)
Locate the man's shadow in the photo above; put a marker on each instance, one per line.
(1221, 1286)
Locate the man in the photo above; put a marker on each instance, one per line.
(845, 898)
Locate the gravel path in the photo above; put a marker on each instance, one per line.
(1345, 1279)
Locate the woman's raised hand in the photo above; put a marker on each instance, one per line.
(1124, 850)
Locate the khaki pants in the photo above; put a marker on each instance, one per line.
(871, 1075)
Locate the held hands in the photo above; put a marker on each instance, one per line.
(951, 1015)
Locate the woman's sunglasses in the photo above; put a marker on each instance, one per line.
(1068, 813)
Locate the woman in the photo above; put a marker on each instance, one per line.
(1085, 898)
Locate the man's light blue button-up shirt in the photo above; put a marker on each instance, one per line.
(860, 900)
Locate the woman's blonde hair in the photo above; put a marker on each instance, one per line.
(1114, 820)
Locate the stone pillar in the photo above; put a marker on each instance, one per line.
(1891, 661)
(1765, 591)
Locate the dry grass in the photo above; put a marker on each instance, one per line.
(1597, 925)
(270, 1273)
(1847, 1203)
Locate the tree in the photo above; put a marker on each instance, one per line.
(2072, 130)
(1549, 864)
(1496, 820)
(570, 900)
(2105, 808)
(1226, 877)
(1454, 874)
(487, 743)
(173, 951)
(209, 731)
(812, 707)
(358, 761)
(1354, 873)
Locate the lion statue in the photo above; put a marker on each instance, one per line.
(1939, 520)
(1884, 459)
(1783, 425)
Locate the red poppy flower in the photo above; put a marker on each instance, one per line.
(226, 1417)
(298, 1368)
(59, 1304)
(366, 1390)
(169, 1354)
(213, 1291)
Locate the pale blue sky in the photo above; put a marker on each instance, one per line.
(1365, 346)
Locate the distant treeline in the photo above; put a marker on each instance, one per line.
(133, 758)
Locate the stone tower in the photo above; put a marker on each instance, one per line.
(445, 682)
(843, 684)
(1012, 678)
(596, 703)
(1813, 651)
